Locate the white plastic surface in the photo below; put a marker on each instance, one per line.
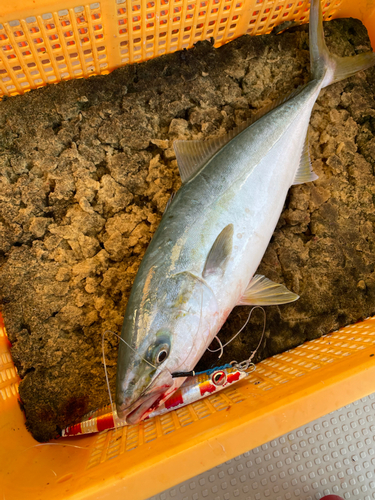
(334, 454)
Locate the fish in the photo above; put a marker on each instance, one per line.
(195, 388)
(202, 260)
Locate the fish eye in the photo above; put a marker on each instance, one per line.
(162, 356)
(219, 378)
(158, 352)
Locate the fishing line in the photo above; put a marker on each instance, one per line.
(105, 364)
(56, 444)
(130, 347)
(231, 340)
(221, 348)
(105, 367)
(48, 444)
(244, 365)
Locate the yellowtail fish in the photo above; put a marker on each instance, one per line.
(193, 389)
(202, 259)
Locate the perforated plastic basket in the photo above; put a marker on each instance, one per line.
(45, 41)
(138, 461)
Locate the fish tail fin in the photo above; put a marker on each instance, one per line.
(328, 67)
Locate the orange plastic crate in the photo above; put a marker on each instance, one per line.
(44, 42)
(136, 462)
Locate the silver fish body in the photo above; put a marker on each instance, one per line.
(244, 185)
(210, 242)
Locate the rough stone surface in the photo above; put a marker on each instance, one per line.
(87, 167)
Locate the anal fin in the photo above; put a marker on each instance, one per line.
(305, 172)
(263, 292)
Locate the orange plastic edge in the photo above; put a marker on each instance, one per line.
(362, 10)
(172, 458)
(243, 429)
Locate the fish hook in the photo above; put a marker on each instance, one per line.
(239, 331)
(245, 365)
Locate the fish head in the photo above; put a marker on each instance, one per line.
(164, 333)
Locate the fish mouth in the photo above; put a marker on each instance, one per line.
(152, 397)
(145, 408)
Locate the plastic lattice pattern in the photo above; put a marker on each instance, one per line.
(43, 45)
(8, 375)
(269, 375)
(284, 392)
(282, 368)
(113, 443)
(332, 455)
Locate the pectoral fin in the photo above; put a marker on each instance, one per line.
(219, 254)
(263, 292)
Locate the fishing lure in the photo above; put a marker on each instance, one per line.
(194, 389)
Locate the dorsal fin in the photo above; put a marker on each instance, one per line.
(219, 254)
(193, 155)
(305, 172)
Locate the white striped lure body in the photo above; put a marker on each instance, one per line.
(193, 389)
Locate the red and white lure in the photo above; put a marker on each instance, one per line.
(193, 389)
